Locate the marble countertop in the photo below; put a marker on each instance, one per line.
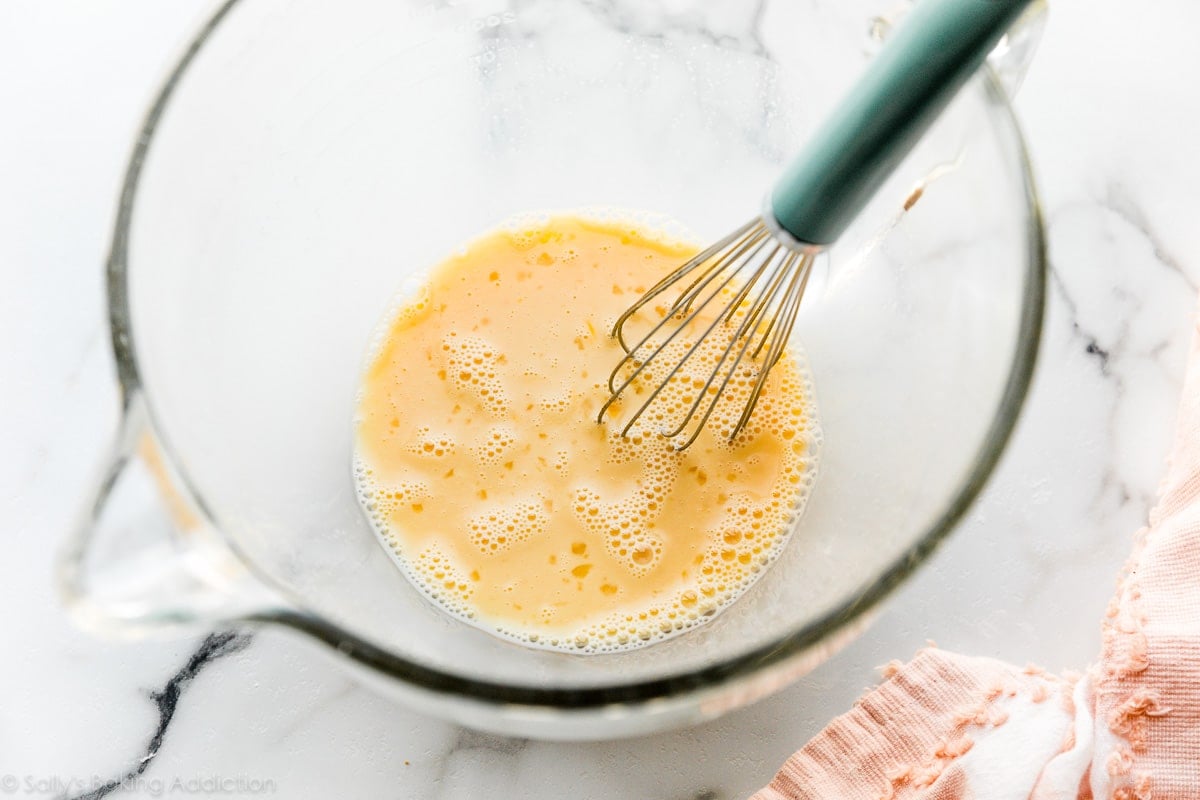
(1111, 120)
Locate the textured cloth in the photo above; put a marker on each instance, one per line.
(946, 726)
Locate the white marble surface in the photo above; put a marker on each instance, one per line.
(1111, 113)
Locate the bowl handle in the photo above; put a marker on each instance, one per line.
(142, 557)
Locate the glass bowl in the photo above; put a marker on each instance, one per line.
(304, 159)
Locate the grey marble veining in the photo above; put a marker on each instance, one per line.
(166, 701)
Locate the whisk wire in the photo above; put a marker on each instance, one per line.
(631, 355)
(753, 243)
(796, 277)
(716, 371)
(660, 287)
(761, 280)
(765, 297)
(743, 292)
(791, 307)
(642, 365)
(763, 300)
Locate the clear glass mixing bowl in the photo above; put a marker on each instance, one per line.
(305, 158)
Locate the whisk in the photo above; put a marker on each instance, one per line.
(756, 276)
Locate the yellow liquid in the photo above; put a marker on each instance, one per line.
(480, 461)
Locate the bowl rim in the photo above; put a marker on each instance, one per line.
(723, 675)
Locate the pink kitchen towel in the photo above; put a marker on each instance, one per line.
(945, 726)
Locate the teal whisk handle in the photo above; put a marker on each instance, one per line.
(920, 68)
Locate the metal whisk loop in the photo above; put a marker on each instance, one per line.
(789, 309)
(746, 334)
(755, 241)
(758, 279)
(754, 228)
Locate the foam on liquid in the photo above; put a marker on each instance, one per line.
(485, 474)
